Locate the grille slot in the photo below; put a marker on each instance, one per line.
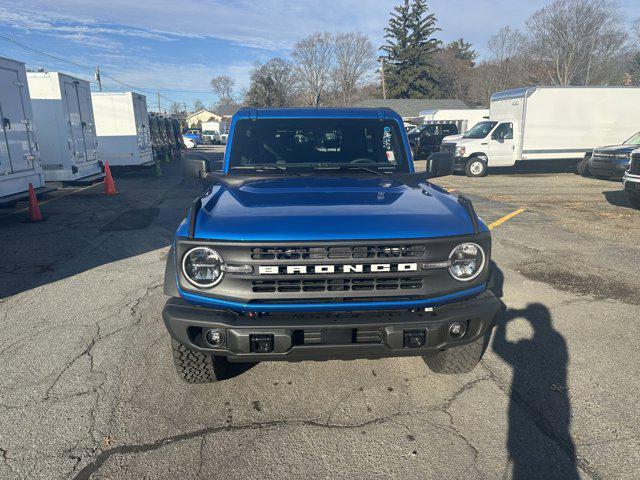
(337, 253)
(337, 285)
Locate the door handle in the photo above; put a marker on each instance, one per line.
(6, 123)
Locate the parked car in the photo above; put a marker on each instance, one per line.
(427, 138)
(293, 252)
(195, 135)
(611, 162)
(631, 179)
(189, 142)
(210, 136)
(223, 138)
(546, 124)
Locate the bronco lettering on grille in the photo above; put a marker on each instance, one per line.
(348, 268)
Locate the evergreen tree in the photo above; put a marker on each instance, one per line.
(410, 50)
(463, 51)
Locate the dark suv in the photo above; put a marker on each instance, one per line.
(426, 138)
(611, 162)
(631, 180)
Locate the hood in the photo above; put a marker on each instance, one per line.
(344, 208)
(452, 138)
(616, 149)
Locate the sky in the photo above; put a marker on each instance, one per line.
(175, 47)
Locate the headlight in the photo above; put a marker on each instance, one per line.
(467, 260)
(203, 267)
(460, 151)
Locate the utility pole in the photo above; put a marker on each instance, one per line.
(384, 83)
(159, 110)
(97, 77)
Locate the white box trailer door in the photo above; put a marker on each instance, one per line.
(78, 146)
(142, 123)
(88, 121)
(17, 146)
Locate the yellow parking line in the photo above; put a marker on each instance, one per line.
(500, 221)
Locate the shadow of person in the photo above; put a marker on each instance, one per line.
(539, 397)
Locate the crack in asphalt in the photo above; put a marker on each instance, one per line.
(94, 465)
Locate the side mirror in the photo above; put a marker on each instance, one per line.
(195, 166)
(440, 164)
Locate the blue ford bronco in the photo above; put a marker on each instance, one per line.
(317, 241)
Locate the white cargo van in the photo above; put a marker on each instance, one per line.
(546, 123)
(19, 160)
(122, 126)
(63, 116)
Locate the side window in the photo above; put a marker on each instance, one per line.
(504, 131)
(450, 130)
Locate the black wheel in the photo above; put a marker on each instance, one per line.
(583, 168)
(460, 359)
(476, 167)
(196, 367)
(634, 200)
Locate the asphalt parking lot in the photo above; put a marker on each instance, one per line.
(87, 387)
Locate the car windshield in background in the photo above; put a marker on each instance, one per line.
(480, 130)
(634, 140)
(360, 145)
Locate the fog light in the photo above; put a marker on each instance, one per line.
(457, 330)
(215, 337)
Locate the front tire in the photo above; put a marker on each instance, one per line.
(476, 167)
(460, 359)
(196, 367)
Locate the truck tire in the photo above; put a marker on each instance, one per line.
(460, 359)
(634, 201)
(476, 167)
(196, 367)
(583, 167)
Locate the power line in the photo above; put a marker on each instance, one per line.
(70, 62)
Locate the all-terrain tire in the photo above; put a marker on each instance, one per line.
(460, 359)
(196, 367)
(476, 167)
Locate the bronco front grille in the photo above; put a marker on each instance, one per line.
(337, 285)
(337, 253)
(634, 167)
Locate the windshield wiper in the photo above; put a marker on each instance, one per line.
(265, 168)
(351, 167)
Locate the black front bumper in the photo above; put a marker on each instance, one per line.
(611, 169)
(323, 336)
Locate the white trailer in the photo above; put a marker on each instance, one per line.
(19, 160)
(464, 118)
(63, 116)
(122, 126)
(545, 124)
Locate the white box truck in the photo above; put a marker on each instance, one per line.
(464, 118)
(546, 124)
(122, 126)
(19, 160)
(63, 116)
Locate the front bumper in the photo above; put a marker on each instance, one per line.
(631, 183)
(613, 169)
(322, 336)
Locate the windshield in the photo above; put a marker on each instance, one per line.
(634, 140)
(480, 130)
(361, 145)
(208, 132)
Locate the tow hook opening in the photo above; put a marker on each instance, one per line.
(415, 338)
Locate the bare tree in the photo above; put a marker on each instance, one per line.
(313, 57)
(198, 105)
(576, 42)
(354, 61)
(222, 86)
(176, 108)
(273, 84)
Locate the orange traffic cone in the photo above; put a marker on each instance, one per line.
(109, 184)
(34, 208)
